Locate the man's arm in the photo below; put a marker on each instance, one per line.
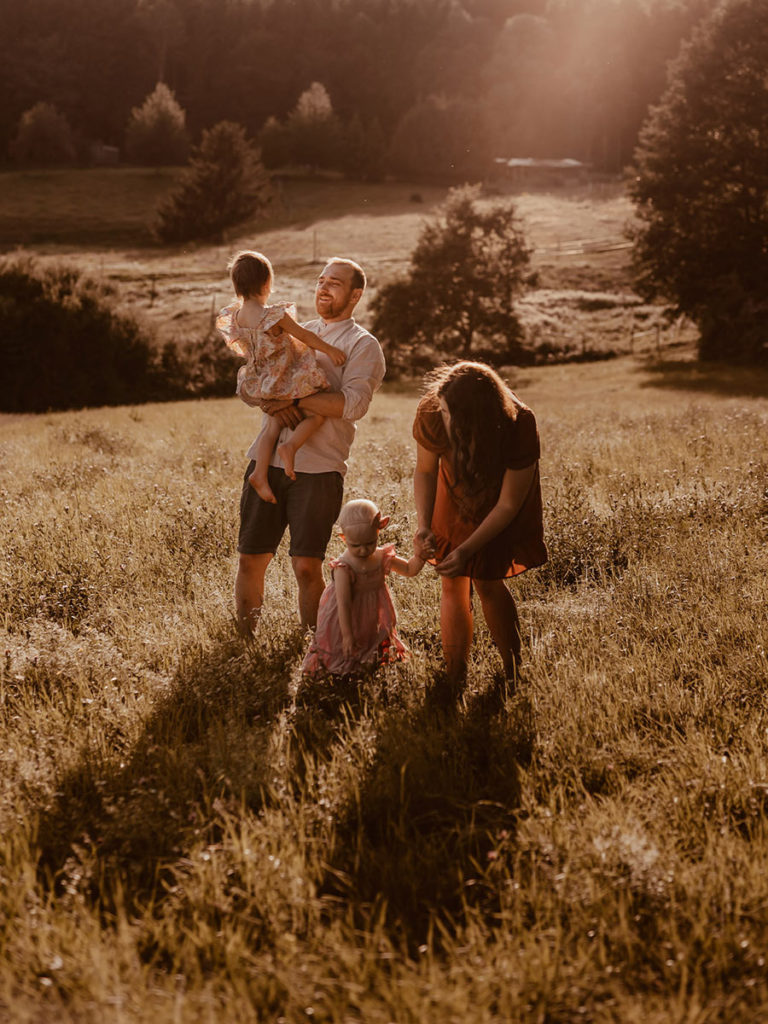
(362, 375)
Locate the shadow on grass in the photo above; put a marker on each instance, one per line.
(712, 378)
(117, 826)
(440, 795)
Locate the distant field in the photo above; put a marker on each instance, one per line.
(99, 220)
(99, 206)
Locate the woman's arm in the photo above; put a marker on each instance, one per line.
(343, 581)
(311, 340)
(515, 486)
(424, 490)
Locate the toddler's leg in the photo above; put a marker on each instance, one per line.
(300, 436)
(258, 478)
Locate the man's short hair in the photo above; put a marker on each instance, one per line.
(251, 273)
(358, 274)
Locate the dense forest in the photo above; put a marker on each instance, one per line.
(534, 78)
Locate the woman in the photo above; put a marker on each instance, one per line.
(478, 500)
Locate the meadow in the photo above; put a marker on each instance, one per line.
(186, 837)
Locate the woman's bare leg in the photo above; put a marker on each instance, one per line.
(299, 436)
(258, 478)
(456, 626)
(501, 616)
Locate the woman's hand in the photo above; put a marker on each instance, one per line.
(424, 543)
(454, 563)
(348, 646)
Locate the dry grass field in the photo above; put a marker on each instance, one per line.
(182, 840)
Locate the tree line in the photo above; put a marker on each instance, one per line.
(436, 87)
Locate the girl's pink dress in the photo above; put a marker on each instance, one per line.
(373, 623)
(277, 367)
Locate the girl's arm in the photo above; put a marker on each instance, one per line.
(311, 340)
(515, 486)
(343, 580)
(424, 490)
(409, 567)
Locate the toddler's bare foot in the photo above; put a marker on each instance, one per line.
(286, 453)
(262, 488)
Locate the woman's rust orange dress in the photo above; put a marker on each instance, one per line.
(520, 545)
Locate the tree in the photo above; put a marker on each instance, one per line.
(701, 186)
(44, 136)
(442, 139)
(310, 136)
(224, 184)
(156, 132)
(469, 265)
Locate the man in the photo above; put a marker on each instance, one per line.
(310, 504)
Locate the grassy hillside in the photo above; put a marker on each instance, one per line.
(99, 220)
(181, 841)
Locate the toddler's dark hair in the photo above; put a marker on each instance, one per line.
(251, 273)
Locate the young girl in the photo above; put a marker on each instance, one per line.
(356, 619)
(280, 364)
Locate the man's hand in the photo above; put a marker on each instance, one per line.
(286, 414)
(424, 543)
(453, 564)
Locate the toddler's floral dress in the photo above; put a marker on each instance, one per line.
(373, 623)
(278, 366)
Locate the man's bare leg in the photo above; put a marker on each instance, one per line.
(249, 590)
(309, 576)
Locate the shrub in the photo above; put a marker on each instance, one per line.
(44, 136)
(65, 345)
(224, 184)
(156, 132)
(469, 265)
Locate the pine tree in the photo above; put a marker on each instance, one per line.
(701, 186)
(224, 184)
(156, 132)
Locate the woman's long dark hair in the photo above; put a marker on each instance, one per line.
(481, 407)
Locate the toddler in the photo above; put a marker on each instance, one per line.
(356, 618)
(280, 364)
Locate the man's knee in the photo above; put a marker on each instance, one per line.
(307, 570)
(253, 566)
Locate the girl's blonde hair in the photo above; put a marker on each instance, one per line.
(251, 273)
(359, 514)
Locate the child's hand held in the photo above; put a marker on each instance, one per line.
(336, 356)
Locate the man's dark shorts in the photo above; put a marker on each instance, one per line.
(308, 506)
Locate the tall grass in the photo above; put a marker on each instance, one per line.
(183, 838)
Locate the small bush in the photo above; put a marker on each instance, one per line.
(44, 136)
(63, 343)
(201, 368)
